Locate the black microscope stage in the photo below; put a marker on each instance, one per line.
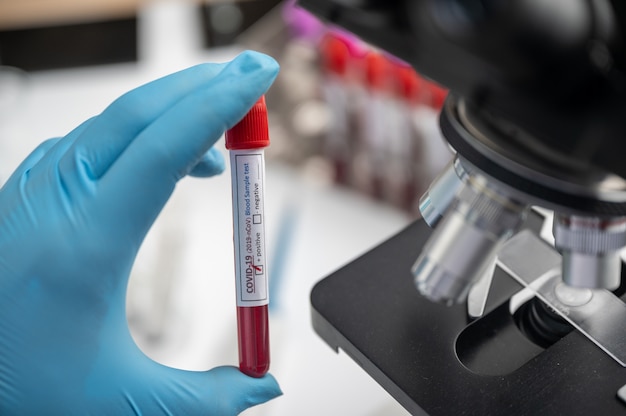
(434, 360)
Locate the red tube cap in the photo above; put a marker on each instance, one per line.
(252, 132)
(335, 55)
(377, 71)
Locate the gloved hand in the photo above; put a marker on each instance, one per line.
(72, 218)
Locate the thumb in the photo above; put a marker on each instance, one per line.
(220, 391)
(211, 164)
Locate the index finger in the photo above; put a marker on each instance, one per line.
(144, 176)
(116, 127)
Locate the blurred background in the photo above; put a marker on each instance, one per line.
(355, 142)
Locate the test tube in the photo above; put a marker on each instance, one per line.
(246, 142)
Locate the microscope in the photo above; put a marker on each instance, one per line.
(471, 310)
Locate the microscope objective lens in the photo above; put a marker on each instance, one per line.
(572, 296)
(465, 240)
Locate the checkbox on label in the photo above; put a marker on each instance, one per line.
(256, 219)
(258, 269)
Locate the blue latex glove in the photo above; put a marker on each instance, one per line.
(72, 218)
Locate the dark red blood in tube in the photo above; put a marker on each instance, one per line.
(254, 340)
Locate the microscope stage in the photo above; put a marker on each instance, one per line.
(434, 361)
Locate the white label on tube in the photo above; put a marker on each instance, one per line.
(248, 183)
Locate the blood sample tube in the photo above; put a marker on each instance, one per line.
(246, 142)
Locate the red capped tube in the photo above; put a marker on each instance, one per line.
(246, 142)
